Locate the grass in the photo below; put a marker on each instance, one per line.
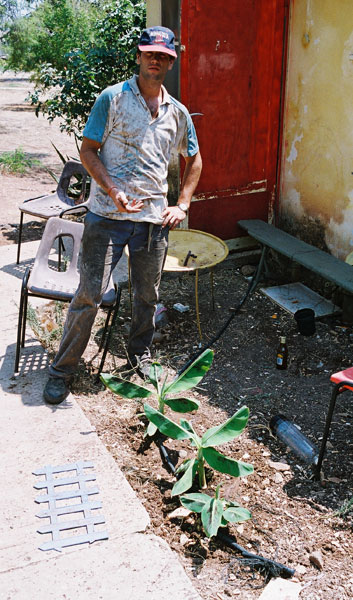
(17, 162)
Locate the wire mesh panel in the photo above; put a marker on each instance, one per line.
(67, 493)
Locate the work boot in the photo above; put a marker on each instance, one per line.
(141, 365)
(56, 390)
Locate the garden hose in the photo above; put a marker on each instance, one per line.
(256, 561)
(251, 288)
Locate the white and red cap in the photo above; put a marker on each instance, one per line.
(157, 39)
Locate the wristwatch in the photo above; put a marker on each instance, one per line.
(183, 206)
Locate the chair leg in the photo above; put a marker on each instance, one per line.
(19, 239)
(108, 336)
(336, 390)
(21, 322)
(25, 307)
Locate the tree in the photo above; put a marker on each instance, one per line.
(76, 48)
(46, 34)
(13, 9)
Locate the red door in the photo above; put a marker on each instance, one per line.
(231, 72)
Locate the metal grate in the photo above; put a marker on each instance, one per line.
(73, 487)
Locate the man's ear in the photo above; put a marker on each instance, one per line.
(138, 58)
(171, 63)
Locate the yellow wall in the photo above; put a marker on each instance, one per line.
(317, 158)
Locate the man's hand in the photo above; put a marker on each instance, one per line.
(173, 215)
(121, 202)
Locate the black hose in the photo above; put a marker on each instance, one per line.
(274, 568)
(165, 457)
(251, 287)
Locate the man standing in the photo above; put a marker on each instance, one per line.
(126, 148)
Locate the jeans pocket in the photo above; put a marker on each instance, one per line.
(160, 237)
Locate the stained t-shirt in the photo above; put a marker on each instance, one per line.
(136, 148)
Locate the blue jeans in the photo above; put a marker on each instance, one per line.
(102, 245)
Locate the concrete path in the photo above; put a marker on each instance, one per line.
(132, 564)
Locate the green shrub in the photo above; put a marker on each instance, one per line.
(74, 50)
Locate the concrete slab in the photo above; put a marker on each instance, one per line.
(131, 564)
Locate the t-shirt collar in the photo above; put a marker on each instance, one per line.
(136, 90)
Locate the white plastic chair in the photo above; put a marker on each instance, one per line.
(45, 282)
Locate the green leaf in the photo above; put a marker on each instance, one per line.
(193, 375)
(155, 374)
(211, 516)
(228, 430)
(221, 463)
(124, 388)
(195, 502)
(165, 425)
(236, 514)
(195, 440)
(182, 405)
(185, 482)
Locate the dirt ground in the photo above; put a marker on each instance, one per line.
(295, 518)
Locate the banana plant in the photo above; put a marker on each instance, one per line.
(187, 380)
(215, 512)
(206, 452)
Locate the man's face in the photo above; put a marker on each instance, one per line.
(154, 65)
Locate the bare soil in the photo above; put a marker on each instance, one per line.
(295, 518)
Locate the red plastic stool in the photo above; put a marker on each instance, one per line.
(343, 381)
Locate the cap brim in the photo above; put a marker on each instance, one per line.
(156, 48)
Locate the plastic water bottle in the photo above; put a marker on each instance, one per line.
(291, 435)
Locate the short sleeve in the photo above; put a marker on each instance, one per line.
(97, 120)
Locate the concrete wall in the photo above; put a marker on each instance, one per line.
(153, 12)
(316, 195)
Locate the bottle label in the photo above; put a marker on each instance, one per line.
(279, 359)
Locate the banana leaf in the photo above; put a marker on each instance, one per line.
(124, 388)
(165, 425)
(182, 405)
(223, 464)
(193, 375)
(228, 431)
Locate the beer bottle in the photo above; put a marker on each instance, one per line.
(282, 354)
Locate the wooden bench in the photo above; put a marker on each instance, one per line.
(327, 266)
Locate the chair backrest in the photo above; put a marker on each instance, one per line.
(61, 285)
(44, 280)
(71, 168)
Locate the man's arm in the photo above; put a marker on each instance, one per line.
(173, 215)
(93, 164)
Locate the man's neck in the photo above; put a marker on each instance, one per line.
(148, 88)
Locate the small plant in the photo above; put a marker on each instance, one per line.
(17, 161)
(214, 436)
(187, 380)
(346, 507)
(47, 326)
(215, 512)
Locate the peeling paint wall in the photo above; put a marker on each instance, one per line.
(316, 195)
